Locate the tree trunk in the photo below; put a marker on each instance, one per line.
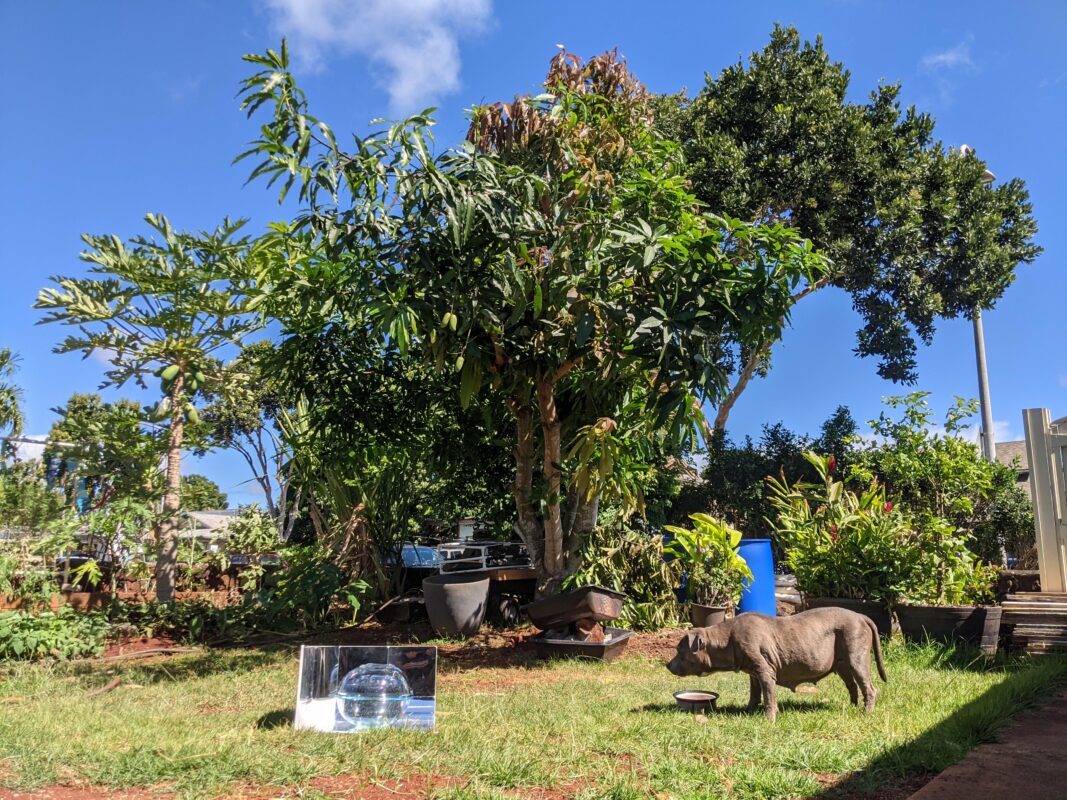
(169, 525)
(582, 518)
(723, 412)
(527, 524)
(551, 566)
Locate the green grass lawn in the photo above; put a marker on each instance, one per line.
(218, 725)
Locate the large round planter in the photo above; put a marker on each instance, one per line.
(456, 602)
(883, 620)
(705, 616)
(978, 626)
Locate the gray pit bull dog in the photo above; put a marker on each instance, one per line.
(786, 651)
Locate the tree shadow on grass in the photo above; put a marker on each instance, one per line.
(785, 705)
(176, 668)
(1027, 684)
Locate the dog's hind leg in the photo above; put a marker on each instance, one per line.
(860, 664)
(850, 683)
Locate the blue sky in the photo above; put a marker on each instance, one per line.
(114, 109)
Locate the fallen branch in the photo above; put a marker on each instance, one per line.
(112, 684)
(156, 651)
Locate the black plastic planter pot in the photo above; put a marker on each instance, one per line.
(705, 616)
(589, 602)
(883, 619)
(456, 602)
(972, 625)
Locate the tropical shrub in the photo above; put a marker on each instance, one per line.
(839, 543)
(619, 556)
(946, 571)
(253, 534)
(304, 597)
(714, 571)
(862, 546)
(733, 485)
(943, 475)
(61, 634)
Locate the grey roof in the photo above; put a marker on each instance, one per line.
(1008, 452)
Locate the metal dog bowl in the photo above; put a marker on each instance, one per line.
(696, 701)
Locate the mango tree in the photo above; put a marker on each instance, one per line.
(555, 262)
(159, 306)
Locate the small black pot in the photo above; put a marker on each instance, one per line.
(881, 615)
(702, 616)
(976, 625)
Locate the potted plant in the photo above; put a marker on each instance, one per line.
(950, 596)
(846, 549)
(714, 571)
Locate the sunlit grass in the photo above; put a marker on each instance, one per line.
(203, 725)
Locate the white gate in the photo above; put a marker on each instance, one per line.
(1046, 451)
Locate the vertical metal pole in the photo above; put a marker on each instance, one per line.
(989, 445)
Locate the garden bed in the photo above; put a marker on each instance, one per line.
(88, 601)
(218, 724)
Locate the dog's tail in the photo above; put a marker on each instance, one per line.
(877, 648)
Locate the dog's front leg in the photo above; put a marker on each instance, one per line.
(754, 692)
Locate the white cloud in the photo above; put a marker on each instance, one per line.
(1003, 431)
(1048, 81)
(954, 59)
(947, 67)
(102, 355)
(415, 43)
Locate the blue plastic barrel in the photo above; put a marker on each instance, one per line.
(758, 594)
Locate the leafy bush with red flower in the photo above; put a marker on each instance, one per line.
(840, 543)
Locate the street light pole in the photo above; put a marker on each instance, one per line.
(989, 445)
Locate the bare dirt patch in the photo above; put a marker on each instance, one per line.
(139, 644)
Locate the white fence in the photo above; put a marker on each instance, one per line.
(1046, 450)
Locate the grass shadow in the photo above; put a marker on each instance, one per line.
(176, 668)
(734, 710)
(279, 718)
(1027, 684)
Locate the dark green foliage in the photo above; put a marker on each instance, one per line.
(300, 598)
(945, 476)
(734, 480)
(200, 493)
(62, 634)
(10, 396)
(110, 447)
(913, 234)
(622, 557)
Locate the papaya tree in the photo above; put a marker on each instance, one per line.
(163, 306)
(914, 234)
(554, 262)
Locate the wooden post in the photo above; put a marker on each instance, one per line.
(1044, 451)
